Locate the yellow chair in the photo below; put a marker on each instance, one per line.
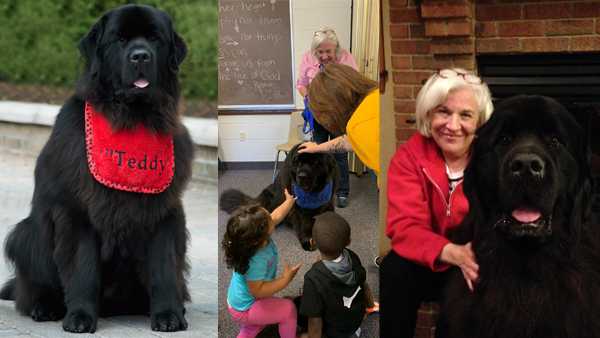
(294, 137)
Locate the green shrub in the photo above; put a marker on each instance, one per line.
(39, 39)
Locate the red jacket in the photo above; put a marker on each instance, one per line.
(421, 209)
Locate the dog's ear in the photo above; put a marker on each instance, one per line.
(582, 186)
(88, 45)
(178, 51)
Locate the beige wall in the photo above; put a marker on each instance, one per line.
(388, 135)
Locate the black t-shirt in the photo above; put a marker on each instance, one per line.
(341, 306)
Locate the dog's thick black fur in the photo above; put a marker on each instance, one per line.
(537, 278)
(85, 249)
(311, 172)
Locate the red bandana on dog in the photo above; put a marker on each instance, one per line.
(136, 160)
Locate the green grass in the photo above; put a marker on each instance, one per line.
(38, 44)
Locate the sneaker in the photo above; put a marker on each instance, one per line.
(378, 260)
(341, 201)
(373, 309)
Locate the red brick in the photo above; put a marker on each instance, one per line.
(422, 62)
(436, 28)
(497, 45)
(417, 89)
(597, 26)
(403, 92)
(399, 31)
(446, 9)
(585, 44)
(398, 3)
(404, 120)
(424, 332)
(544, 44)
(404, 15)
(417, 31)
(498, 12)
(460, 28)
(587, 9)
(486, 29)
(548, 11)
(410, 47)
(401, 62)
(404, 106)
(403, 134)
(443, 61)
(426, 319)
(453, 46)
(408, 77)
(521, 28)
(570, 27)
(465, 61)
(448, 27)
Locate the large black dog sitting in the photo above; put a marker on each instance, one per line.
(536, 243)
(106, 234)
(312, 178)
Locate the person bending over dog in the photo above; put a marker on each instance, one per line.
(347, 104)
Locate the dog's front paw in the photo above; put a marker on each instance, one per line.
(79, 321)
(168, 321)
(43, 312)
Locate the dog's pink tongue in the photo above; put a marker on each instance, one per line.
(526, 215)
(141, 83)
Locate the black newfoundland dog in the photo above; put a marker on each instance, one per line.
(311, 178)
(106, 234)
(536, 243)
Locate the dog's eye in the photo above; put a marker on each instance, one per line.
(505, 140)
(554, 142)
(152, 37)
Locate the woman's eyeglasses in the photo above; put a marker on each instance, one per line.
(324, 31)
(450, 73)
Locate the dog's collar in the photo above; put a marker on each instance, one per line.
(137, 160)
(312, 200)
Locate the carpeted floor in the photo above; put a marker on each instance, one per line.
(361, 213)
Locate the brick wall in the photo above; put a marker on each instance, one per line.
(428, 35)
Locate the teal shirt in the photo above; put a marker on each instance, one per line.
(262, 266)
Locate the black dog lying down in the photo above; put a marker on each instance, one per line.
(312, 178)
(537, 245)
(95, 242)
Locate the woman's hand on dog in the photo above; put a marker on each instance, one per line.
(463, 257)
(308, 147)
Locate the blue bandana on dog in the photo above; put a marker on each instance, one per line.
(312, 200)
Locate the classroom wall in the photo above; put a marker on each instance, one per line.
(252, 138)
(388, 139)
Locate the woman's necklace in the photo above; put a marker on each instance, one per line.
(454, 177)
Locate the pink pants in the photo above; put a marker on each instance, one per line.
(266, 311)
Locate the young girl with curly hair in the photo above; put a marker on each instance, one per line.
(252, 255)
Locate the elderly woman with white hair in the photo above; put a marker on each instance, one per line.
(325, 49)
(426, 198)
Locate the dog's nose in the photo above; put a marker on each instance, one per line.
(527, 164)
(140, 55)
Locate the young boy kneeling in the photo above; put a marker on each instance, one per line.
(335, 293)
